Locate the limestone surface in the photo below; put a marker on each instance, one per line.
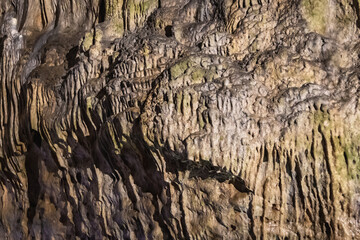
(186, 119)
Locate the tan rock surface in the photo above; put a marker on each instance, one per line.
(189, 119)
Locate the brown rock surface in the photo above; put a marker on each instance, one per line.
(188, 119)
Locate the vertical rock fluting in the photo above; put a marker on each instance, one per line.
(147, 119)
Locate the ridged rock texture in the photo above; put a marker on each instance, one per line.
(186, 119)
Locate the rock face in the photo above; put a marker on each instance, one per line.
(186, 119)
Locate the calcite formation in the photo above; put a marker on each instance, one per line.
(186, 119)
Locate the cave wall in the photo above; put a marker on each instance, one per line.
(189, 119)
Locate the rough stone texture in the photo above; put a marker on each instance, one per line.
(187, 119)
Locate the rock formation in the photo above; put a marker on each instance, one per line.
(186, 119)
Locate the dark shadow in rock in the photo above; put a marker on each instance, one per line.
(136, 162)
(32, 173)
(2, 40)
(24, 14)
(357, 11)
(169, 31)
(102, 11)
(71, 58)
(203, 170)
(151, 180)
(36, 138)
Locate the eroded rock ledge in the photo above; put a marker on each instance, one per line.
(187, 119)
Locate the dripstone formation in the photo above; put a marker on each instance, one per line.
(186, 119)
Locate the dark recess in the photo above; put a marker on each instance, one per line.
(24, 15)
(357, 11)
(78, 177)
(266, 155)
(71, 57)
(102, 11)
(2, 44)
(32, 172)
(169, 31)
(36, 138)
